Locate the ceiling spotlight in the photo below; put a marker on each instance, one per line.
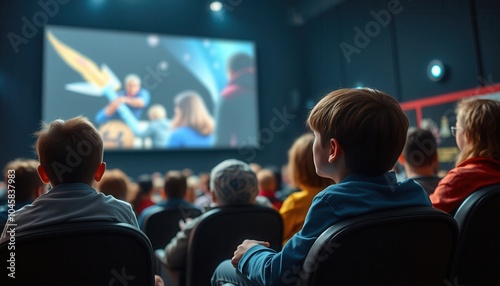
(216, 6)
(435, 70)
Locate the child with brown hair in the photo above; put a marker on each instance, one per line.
(359, 135)
(420, 159)
(27, 183)
(117, 184)
(70, 154)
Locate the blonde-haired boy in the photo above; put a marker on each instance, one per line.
(158, 127)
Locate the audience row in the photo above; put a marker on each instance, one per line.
(340, 170)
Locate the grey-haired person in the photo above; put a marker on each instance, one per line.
(232, 182)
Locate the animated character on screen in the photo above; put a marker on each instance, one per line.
(159, 126)
(103, 82)
(134, 96)
(192, 125)
(238, 104)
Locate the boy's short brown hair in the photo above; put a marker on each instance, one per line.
(27, 180)
(369, 125)
(116, 183)
(420, 149)
(69, 151)
(175, 185)
(266, 180)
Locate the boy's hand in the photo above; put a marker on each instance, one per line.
(242, 249)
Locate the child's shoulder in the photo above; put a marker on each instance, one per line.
(332, 190)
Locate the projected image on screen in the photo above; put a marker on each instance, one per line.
(145, 91)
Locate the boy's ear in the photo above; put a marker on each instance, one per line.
(335, 150)
(100, 171)
(43, 175)
(39, 191)
(214, 198)
(401, 159)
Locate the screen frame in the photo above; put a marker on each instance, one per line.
(239, 147)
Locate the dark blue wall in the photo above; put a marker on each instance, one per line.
(263, 22)
(462, 33)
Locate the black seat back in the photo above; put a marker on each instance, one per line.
(83, 253)
(162, 225)
(478, 254)
(407, 246)
(221, 230)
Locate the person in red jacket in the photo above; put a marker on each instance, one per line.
(478, 164)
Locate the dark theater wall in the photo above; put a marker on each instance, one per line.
(352, 50)
(488, 24)
(428, 30)
(264, 22)
(339, 53)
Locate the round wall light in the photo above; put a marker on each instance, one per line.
(216, 6)
(435, 70)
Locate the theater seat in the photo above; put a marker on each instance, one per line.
(163, 224)
(83, 253)
(221, 230)
(407, 246)
(478, 253)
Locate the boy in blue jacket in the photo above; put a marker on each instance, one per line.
(359, 135)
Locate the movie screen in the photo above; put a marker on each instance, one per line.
(149, 91)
